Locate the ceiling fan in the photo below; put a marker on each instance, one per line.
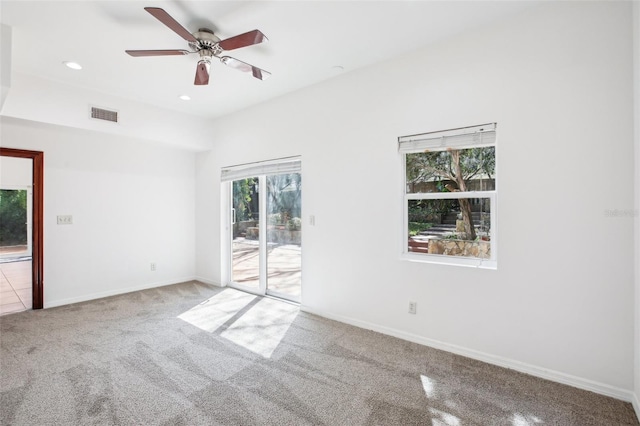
(208, 46)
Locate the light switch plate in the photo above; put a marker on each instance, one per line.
(66, 219)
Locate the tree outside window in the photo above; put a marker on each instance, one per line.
(450, 193)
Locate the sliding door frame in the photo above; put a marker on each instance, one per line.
(262, 241)
(262, 171)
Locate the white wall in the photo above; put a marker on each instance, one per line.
(636, 68)
(558, 82)
(15, 172)
(5, 64)
(132, 203)
(36, 99)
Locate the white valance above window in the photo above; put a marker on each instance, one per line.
(272, 167)
(466, 137)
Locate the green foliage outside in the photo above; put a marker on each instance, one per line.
(443, 165)
(275, 219)
(13, 217)
(426, 211)
(449, 171)
(283, 202)
(243, 192)
(284, 193)
(294, 224)
(416, 227)
(283, 196)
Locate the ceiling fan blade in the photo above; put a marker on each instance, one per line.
(244, 67)
(202, 74)
(166, 19)
(243, 40)
(170, 52)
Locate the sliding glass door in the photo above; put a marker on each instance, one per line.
(265, 228)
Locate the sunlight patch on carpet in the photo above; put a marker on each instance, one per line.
(520, 420)
(428, 385)
(262, 327)
(259, 327)
(214, 312)
(443, 419)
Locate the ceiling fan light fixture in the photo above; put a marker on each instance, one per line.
(202, 72)
(72, 65)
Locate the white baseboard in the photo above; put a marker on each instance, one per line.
(533, 370)
(636, 404)
(208, 281)
(101, 294)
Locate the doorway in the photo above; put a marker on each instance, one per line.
(34, 223)
(265, 228)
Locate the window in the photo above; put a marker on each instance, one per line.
(450, 196)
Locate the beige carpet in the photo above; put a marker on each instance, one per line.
(190, 354)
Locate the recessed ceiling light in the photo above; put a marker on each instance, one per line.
(185, 97)
(73, 65)
(337, 68)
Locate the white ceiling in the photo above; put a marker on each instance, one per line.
(307, 41)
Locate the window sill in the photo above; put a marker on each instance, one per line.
(450, 260)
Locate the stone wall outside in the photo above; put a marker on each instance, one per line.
(480, 249)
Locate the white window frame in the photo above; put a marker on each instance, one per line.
(466, 137)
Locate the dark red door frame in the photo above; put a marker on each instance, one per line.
(37, 278)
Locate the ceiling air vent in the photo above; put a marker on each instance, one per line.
(104, 114)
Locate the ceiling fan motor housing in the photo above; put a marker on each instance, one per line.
(207, 44)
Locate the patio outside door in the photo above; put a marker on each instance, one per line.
(265, 229)
(245, 241)
(284, 235)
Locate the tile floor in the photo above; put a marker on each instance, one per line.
(15, 287)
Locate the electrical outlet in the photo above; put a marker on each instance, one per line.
(412, 307)
(153, 266)
(66, 219)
